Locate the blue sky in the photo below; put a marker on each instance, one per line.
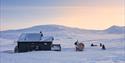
(90, 14)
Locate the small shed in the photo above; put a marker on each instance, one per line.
(33, 42)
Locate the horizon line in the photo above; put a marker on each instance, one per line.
(60, 25)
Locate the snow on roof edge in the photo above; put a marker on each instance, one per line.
(34, 37)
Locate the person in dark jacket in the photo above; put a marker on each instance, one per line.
(103, 47)
(76, 42)
(92, 44)
(100, 44)
(41, 33)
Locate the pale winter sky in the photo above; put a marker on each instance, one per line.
(88, 14)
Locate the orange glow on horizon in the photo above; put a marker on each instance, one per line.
(99, 17)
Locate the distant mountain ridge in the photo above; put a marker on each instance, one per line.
(57, 28)
(60, 31)
(116, 29)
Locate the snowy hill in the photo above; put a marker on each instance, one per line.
(116, 29)
(54, 28)
(60, 31)
(47, 28)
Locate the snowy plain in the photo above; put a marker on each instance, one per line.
(114, 53)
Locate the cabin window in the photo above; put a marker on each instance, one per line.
(32, 43)
(45, 43)
(37, 47)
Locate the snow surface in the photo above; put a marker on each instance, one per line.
(114, 53)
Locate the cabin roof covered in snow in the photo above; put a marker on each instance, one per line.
(34, 37)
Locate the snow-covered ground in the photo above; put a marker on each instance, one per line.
(114, 53)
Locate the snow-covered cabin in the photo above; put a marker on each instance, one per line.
(33, 41)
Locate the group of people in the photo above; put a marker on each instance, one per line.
(80, 46)
(101, 45)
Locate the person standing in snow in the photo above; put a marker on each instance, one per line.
(92, 44)
(41, 33)
(103, 47)
(100, 44)
(76, 43)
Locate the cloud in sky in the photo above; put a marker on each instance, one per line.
(95, 14)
